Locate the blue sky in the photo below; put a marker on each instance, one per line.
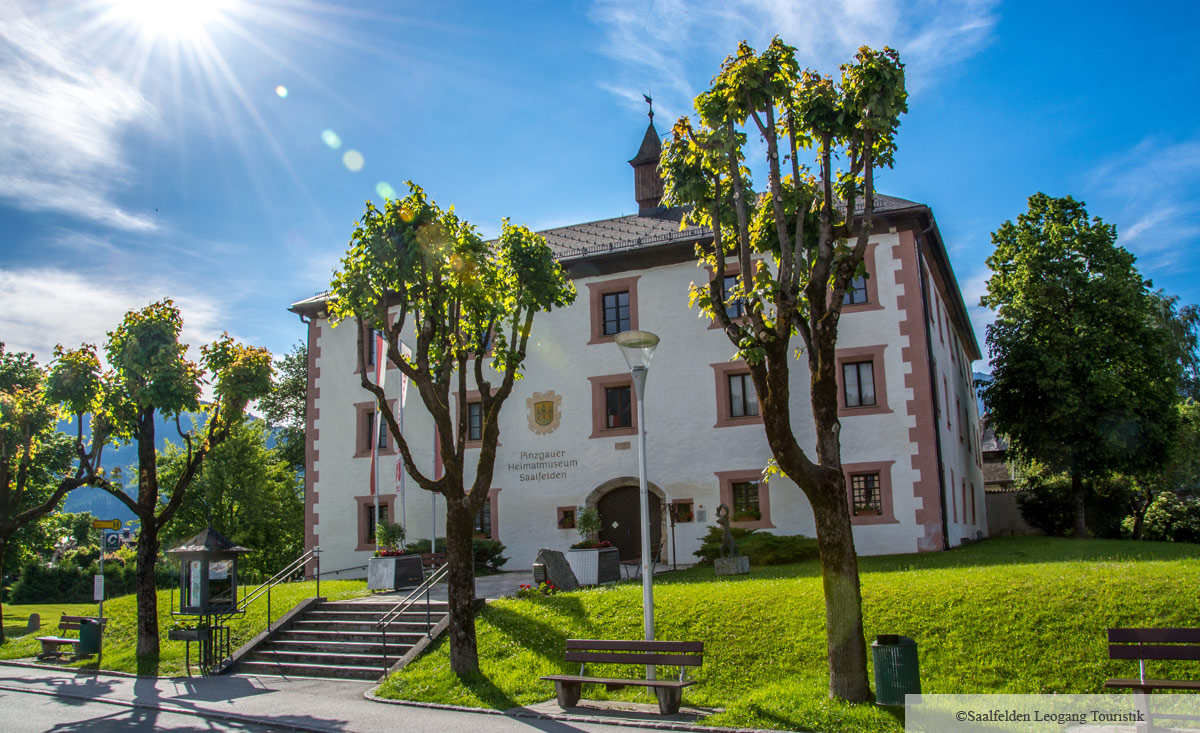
(219, 151)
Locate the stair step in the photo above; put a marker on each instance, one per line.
(380, 606)
(310, 670)
(321, 646)
(372, 637)
(362, 627)
(324, 659)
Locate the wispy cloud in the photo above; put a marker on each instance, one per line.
(673, 45)
(61, 123)
(49, 306)
(1150, 193)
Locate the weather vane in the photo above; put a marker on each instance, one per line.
(650, 101)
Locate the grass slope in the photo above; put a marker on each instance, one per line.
(1019, 615)
(120, 638)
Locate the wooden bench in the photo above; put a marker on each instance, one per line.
(52, 646)
(1143, 644)
(433, 560)
(680, 654)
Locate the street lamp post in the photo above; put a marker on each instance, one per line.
(637, 347)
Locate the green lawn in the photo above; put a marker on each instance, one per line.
(120, 637)
(1017, 615)
(16, 618)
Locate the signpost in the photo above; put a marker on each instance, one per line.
(105, 541)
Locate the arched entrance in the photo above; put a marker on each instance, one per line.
(620, 514)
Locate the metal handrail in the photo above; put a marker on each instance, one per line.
(398, 610)
(313, 554)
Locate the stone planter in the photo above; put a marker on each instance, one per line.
(739, 565)
(592, 567)
(391, 573)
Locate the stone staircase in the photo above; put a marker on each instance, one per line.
(341, 640)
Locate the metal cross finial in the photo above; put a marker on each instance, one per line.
(650, 101)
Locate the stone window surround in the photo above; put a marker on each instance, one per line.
(722, 371)
(884, 469)
(875, 355)
(872, 284)
(596, 293)
(362, 503)
(727, 479)
(599, 384)
(362, 443)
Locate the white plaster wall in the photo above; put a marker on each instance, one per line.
(684, 448)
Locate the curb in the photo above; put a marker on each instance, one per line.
(568, 717)
(79, 670)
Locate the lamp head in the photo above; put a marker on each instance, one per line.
(637, 347)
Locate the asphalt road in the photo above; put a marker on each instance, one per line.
(34, 699)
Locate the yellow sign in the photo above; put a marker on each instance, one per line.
(113, 524)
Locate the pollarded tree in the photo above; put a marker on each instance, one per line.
(150, 374)
(38, 463)
(462, 296)
(798, 246)
(1084, 375)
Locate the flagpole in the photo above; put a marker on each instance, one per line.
(380, 381)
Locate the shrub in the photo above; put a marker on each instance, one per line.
(1047, 503)
(487, 554)
(72, 584)
(763, 548)
(1170, 519)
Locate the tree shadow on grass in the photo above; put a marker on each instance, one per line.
(487, 691)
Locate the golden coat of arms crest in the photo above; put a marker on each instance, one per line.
(544, 412)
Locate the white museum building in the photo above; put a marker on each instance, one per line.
(568, 434)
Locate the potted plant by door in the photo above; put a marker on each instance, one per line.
(392, 568)
(593, 560)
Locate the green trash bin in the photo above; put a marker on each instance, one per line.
(896, 670)
(89, 637)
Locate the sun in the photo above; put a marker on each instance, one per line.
(176, 18)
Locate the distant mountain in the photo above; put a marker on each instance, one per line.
(99, 502)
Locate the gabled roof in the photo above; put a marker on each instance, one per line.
(209, 540)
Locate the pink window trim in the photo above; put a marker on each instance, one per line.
(884, 469)
(875, 355)
(722, 371)
(727, 479)
(596, 293)
(362, 443)
(361, 504)
(599, 384)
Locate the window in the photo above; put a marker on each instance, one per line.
(745, 501)
(566, 517)
(612, 406)
(737, 399)
(475, 421)
(365, 431)
(862, 294)
(858, 383)
(856, 292)
(735, 308)
(861, 381)
(366, 517)
(864, 494)
(370, 345)
(743, 399)
(746, 494)
(683, 510)
(613, 308)
(618, 411)
(869, 492)
(616, 313)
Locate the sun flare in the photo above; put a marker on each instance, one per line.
(172, 17)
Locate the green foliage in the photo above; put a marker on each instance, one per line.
(763, 548)
(587, 523)
(1049, 504)
(253, 495)
(1170, 518)
(1083, 376)
(542, 589)
(71, 580)
(488, 554)
(982, 615)
(285, 406)
(389, 536)
(1182, 324)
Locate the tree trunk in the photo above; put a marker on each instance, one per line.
(843, 599)
(147, 594)
(464, 657)
(1077, 492)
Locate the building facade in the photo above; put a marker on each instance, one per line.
(909, 428)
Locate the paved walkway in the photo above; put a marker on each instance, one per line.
(278, 703)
